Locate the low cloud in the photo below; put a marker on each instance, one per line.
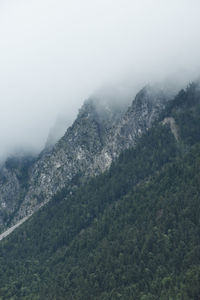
(55, 54)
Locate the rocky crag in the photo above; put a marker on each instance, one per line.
(98, 135)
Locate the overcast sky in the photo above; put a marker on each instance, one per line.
(55, 53)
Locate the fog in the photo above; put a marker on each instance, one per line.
(56, 53)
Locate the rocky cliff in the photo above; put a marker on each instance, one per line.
(98, 135)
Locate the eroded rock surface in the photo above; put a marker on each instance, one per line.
(98, 135)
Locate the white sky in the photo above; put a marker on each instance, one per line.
(55, 53)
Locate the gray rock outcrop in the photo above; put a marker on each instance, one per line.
(97, 137)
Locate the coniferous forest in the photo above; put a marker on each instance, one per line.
(132, 232)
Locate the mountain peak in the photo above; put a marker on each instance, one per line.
(101, 131)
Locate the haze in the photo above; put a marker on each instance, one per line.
(56, 53)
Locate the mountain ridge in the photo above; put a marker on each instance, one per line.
(95, 139)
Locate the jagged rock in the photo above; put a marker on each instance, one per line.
(98, 135)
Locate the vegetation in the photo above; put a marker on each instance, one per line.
(130, 233)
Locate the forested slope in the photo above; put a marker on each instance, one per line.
(130, 233)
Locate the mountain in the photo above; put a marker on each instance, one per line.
(131, 232)
(100, 132)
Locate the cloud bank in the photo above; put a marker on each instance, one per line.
(55, 53)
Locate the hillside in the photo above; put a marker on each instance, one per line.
(98, 135)
(132, 232)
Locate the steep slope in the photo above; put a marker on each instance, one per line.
(55, 165)
(130, 233)
(97, 136)
(13, 184)
(100, 132)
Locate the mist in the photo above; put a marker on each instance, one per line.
(56, 54)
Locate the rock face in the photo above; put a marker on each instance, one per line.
(13, 185)
(10, 192)
(98, 135)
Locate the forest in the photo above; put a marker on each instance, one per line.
(132, 232)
